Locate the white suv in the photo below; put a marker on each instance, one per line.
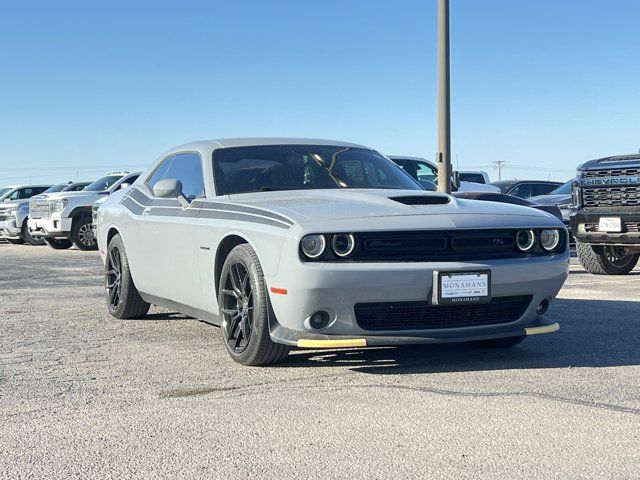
(64, 219)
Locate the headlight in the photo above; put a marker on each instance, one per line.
(57, 205)
(525, 240)
(313, 246)
(343, 244)
(550, 239)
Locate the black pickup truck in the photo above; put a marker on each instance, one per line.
(606, 223)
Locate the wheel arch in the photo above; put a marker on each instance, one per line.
(225, 246)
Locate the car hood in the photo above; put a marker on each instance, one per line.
(81, 193)
(557, 199)
(363, 205)
(13, 203)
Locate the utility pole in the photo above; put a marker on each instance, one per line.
(498, 164)
(444, 100)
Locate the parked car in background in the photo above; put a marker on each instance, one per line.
(426, 173)
(526, 188)
(64, 218)
(474, 176)
(14, 211)
(66, 187)
(606, 223)
(320, 244)
(560, 197)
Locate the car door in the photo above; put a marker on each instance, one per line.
(521, 190)
(166, 247)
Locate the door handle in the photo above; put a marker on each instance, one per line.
(146, 211)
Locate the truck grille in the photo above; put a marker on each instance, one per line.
(39, 209)
(617, 196)
(618, 172)
(422, 315)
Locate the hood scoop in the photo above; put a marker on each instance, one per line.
(422, 200)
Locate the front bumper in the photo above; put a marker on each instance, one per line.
(338, 287)
(54, 227)
(9, 229)
(584, 222)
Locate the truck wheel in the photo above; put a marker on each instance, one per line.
(82, 235)
(123, 298)
(58, 243)
(606, 259)
(242, 297)
(30, 239)
(504, 342)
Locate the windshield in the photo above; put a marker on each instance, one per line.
(56, 188)
(563, 189)
(4, 191)
(103, 183)
(297, 167)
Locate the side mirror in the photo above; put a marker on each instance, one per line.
(124, 185)
(170, 188)
(455, 181)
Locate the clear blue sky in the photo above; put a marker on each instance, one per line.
(544, 84)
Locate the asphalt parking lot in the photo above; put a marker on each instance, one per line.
(83, 394)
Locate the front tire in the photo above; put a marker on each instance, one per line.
(30, 239)
(58, 243)
(504, 342)
(244, 307)
(82, 235)
(606, 259)
(123, 298)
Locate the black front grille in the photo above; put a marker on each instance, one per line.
(628, 196)
(422, 315)
(425, 246)
(617, 172)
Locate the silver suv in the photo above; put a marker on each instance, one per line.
(14, 210)
(64, 219)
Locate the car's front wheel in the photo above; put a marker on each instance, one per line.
(82, 234)
(58, 243)
(123, 298)
(30, 239)
(606, 259)
(244, 309)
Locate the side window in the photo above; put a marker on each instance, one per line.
(128, 182)
(15, 195)
(39, 190)
(426, 172)
(543, 188)
(25, 193)
(523, 190)
(186, 167)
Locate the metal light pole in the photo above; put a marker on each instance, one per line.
(444, 100)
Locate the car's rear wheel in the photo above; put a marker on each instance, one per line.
(58, 243)
(504, 342)
(244, 308)
(82, 234)
(123, 298)
(30, 239)
(606, 259)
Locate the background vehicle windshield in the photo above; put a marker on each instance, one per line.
(563, 189)
(3, 192)
(103, 183)
(296, 167)
(56, 188)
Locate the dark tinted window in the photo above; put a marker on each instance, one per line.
(472, 177)
(543, 188)
(39, 190)
(23, 193)
(186, 167)
(563, 189)
(522, 190)
(103, 183)
(296, 167)
(56, 188)
(77, 188)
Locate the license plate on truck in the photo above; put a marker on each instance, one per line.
(610, 224)
(463, 287)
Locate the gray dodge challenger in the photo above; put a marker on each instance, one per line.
(311, 243)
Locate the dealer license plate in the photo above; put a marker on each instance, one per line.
(464, 287)
(610, 224)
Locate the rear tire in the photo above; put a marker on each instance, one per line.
(82, 234)
(30, 239)
(504, 342)
(123, 298)
(605, 259)
(58, 243)
(244, 307)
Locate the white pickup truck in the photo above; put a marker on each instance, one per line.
(64, 219)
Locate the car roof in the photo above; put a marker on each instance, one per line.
(263, 141)
(515, 182)
(12, 187)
